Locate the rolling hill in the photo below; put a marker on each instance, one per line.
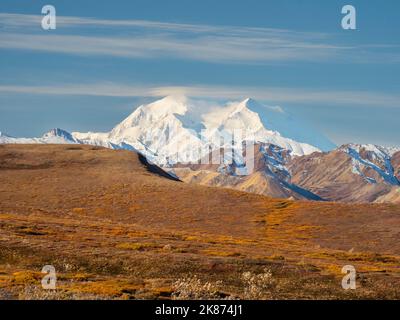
(115, 226)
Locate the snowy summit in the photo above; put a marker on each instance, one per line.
(172, 127)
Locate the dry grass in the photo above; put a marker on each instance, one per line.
(137, 246)
(112, 229)
(258, 286)
(192, 288)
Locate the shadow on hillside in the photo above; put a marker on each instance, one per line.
(155, 169)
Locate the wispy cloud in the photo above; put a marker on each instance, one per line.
(146, 39)
(11, 20)
(270, 95)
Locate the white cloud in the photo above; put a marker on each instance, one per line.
(11, 20)
(146, 39)
(267, 94)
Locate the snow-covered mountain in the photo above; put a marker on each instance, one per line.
(179, 129)
(369, 161)
(269, 125)
(56, 136)
(5, 138)
(269, 177)
(179, 132)
(352, 172)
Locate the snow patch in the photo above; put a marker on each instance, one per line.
(371, 156)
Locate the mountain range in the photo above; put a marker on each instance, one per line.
(291, 159)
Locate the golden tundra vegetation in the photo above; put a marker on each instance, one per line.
(115, 227)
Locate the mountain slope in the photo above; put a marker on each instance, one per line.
(5, 138)
(181, 130)
(269, 177)
(114, 229)
(395, 161)
(393, 196)
(349, 173)
(361, 173)
(54, 136)
(269, 125)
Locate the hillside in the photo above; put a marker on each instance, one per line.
(351, 173)
(291, 159)
(269, 176)
(114, 226)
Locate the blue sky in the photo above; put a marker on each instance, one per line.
(105, 59)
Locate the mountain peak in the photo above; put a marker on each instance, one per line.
(247, 103)
(251, 103)
(57, 132)
(170, 129)
(167, 105)
(175, 98)
(255, 106)
(373, 148)
(170, 101)
(4, 135)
